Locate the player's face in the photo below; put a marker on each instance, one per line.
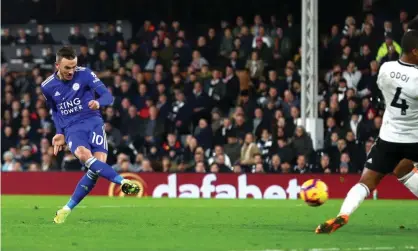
(66, 68)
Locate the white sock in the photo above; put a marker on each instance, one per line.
(411, 181)
(66, 208)
(354, 198)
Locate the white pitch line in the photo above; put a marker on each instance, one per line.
(339, 249)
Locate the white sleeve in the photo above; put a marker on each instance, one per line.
(380, 78)
(416, 89)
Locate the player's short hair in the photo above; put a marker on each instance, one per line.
(66, 52)
(413, 24)
(410, 41)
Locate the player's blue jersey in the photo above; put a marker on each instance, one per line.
(69, 99)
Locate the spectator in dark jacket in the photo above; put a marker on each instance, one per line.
(302, 142)
(224, 132)
(114, 136)
(85, 58)
(203, 134)
(232, 85)
(199, 102)
(152, 128)
(180, 114)
(76, 36)
(131, 125)
(182, 53)
(284, 151)
(172, 147)
(216, 88)
(103, 63)
(302, 166)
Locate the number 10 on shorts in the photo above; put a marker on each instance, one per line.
(97, 139)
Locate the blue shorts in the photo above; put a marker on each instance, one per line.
(89, 133)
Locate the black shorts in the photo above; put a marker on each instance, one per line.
(384, 156)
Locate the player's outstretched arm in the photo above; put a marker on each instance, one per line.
(105, 97)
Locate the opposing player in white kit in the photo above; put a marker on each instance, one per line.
(397, 146)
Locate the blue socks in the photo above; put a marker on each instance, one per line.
(84, 186)
(104, 170)
(88, 181)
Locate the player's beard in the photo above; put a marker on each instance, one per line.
(69, 76)
(63, 76)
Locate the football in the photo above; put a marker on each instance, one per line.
(314, 192)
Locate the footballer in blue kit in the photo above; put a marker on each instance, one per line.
(70, 94)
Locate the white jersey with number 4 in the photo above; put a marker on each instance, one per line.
(398, 82)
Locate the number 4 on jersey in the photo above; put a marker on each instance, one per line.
(403, 106)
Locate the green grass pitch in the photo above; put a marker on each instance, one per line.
(102, 223)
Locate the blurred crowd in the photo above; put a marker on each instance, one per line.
(227, 100)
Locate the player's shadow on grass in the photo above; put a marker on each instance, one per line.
(251, 226)
(355, 230)
(103, 221)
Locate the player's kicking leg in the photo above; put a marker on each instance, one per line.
(97, 167)
(404, 171)
(368, 182)
(407, 174)
(84, 186)
(380, 162)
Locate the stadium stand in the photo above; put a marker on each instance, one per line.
(226, 100)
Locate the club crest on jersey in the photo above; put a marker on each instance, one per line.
(76, 86)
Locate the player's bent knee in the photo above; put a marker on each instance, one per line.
(371, 178)
(100, 156)
(404, 167)
(82, 153)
